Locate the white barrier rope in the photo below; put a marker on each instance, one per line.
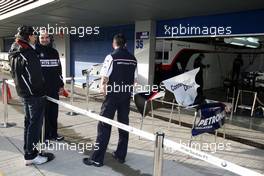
(10, 82)
(168, 143)
(122, 126)
(75, 78)
(226, 165)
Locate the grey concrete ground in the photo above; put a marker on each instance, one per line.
(81, 129)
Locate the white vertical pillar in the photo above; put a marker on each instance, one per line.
(67, 56)
(62, 44)
(1, 44)
(145, 51)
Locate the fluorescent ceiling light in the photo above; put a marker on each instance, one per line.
(252, 39)
(251, 46)
(236, 43)
(12, 5)
(250, 42)
(25, 8)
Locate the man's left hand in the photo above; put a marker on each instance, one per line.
(61, 90)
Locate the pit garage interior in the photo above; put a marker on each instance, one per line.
(161, 56)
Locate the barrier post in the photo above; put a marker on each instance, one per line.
(4, 99)
(45, 142)
(43, 134)
(5, 124)
(158, 154)
(87, 88)
(233, 103)
(72, 113)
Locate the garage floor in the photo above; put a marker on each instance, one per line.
(242, 118)
(82, 129)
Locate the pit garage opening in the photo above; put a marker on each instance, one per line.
(176, 52)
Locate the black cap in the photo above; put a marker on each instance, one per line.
(24, 32)
(201, 55)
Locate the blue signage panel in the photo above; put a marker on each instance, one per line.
(142, 35)
(231, 24)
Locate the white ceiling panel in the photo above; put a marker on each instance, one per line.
(115, 12)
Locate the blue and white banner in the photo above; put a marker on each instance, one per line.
(212, 117)
(183, 87)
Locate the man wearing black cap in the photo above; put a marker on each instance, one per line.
(29, 81)
(118, 71)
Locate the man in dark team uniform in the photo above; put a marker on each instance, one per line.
(198, 63)
(237, 64)
(119, 70)
(51, 68)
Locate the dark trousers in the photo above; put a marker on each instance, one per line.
(110, 105)
(235, 75)
(51, 116)
(34, 111)
(199, 80)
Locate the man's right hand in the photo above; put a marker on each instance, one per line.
(61, 91)
(103, 89)
(103, 84)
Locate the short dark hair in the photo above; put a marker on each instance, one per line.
(201, 55)
(120, 40)
(23, 32)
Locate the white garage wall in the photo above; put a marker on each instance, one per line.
(61, 43)
(145, 54)
(253, 64)
(1, 44)
(221, 67)
(220, 63)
